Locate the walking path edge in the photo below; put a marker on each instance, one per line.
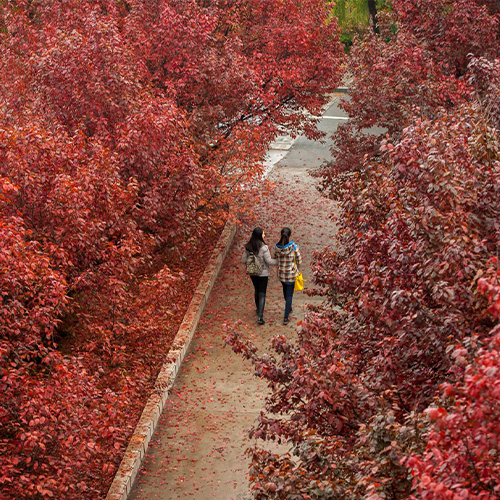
(139, 442)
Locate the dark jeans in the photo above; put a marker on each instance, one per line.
(260, 286)
(288, 288)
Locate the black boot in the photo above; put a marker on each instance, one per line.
(260, 310)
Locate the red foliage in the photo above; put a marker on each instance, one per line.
(461, 459)
(453, 29)
(127, 129)
(387, 99)
(380, 96)
(420, 205)
(348, 393)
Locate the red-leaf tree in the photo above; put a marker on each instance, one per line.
(453, 29)
(461, 459)
(126, 130)
(420, 205)
(420, 229)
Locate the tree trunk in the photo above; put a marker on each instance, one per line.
(372, 8)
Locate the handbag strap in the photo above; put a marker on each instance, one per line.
(295, 262)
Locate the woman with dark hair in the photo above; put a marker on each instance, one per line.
(289, 261)
(258, 259)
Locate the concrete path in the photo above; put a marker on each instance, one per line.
(198, 450)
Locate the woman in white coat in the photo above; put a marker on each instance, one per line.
(258, 259)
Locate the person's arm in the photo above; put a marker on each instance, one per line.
(298, 257)
(268, 259)
(244, 257)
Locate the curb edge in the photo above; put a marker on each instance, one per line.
(139, 441)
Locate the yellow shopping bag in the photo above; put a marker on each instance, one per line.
(299, 283)
(299, 280)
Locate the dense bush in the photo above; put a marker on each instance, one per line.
(126, 128)
(391, 389)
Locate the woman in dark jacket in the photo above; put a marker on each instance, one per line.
(257, 247)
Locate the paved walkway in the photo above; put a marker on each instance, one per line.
(198, 448)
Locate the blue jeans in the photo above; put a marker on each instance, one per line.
(288, 288)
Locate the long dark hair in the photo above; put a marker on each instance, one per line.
(256, 241)
(286, 232)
